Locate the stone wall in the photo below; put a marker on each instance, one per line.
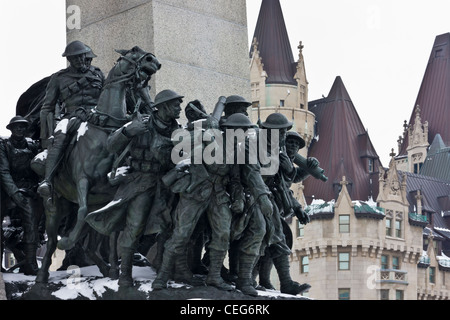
(201, 44)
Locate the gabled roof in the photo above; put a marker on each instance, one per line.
(434, 94)
(273, 44)
(437, 163)
(341, 134)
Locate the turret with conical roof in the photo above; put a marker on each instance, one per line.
(343, 148)
(279, 83)
(432, 108)
(274, 45)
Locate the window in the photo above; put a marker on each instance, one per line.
(300, 230)
(398, 228)
(370, 165)
(305, 264)
(432, 274)
(384, 294)
(389, 227)
(395, 263)
(255, 90)
(344, 224)
(384, 262)
(398, 294)
(255, 104)
(344, 261)
(281, 103)
(344, 294)
(417, 167)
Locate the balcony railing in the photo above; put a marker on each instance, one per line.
(393, 276)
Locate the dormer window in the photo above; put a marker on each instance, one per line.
(370, 165)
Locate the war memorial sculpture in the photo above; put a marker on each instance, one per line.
(95, 157)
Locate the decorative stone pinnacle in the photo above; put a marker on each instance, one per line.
(392, 154)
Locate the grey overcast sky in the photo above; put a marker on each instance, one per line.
(380, 49)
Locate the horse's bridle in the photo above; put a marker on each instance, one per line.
(134, 73)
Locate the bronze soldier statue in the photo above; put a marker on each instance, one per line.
(249, 227)
(278, 250)
(206, 192)
(284, 196)
(19, 183)
(251, 206)
(146, 143)
(234, 104)
(75, 90)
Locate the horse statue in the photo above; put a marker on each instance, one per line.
(82, 178)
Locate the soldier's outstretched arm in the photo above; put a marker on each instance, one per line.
(119, 139)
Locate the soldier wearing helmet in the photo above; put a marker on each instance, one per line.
(277, 251)
(72, 92)
(19, 182)
(141, 199)
(235, 104)
(207, 193)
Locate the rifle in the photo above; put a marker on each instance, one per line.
(219, 108)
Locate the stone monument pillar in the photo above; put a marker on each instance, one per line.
(201, 44)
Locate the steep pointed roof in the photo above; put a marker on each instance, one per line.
(437, 163)
(273, 44)
(343, 149)
(434, 93)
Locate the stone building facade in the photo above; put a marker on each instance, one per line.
(386, 245)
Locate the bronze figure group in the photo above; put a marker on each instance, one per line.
(107, 166)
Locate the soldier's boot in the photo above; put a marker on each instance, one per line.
(160, 242)
(30, 268)
(184, 274)
(244, 281)
(265, 268)
(197, 265)
(126, 268)
(165, 271)
(233, 261)
(214, 277)
(287, 285)
(45, 187)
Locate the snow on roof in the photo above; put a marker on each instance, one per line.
(322, 206)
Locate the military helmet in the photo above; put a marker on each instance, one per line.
(234, 99)
(166, 95)
(90, 54)
(17, 119)
(238, 120)
(277, 121)
(75, 48)
(294, 135)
